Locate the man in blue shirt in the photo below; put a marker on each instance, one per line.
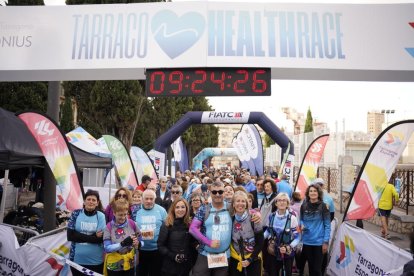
(212, 228)
(283, 186)
(149, 219)
(248, 183)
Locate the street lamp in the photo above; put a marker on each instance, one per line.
(387, 112)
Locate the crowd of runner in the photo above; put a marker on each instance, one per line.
(207, 222)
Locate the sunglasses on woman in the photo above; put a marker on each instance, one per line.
(121, 195)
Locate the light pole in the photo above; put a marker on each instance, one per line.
(387, 112)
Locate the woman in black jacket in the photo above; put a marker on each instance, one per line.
(174, 241)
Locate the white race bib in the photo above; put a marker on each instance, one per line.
(147, 234)
(217, 260)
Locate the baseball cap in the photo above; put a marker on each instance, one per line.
(273, 175)
(228, 181)
(318, 181)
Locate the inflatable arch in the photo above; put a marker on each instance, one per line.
(212, 117)
(211, 152)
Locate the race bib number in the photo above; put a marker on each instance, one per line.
(217, 260)
(147, 234)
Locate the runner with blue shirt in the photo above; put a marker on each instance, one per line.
(149, 219)
(283, 186)
(212, 228)
(85, 231)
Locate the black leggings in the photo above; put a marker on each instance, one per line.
(131, 272)
(254, 269)
(149, 263)
(313, 255)
(276, 266)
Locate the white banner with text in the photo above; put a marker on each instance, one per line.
(204, 34)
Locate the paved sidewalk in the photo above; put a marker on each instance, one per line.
(399, 240)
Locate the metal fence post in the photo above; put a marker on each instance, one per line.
(329, 180)
(408, 192)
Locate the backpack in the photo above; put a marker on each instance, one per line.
(284, 239)
(131, 223)
(208, 210)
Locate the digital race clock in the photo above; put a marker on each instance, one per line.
(208, 82)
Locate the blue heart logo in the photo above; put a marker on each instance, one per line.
(175, 34)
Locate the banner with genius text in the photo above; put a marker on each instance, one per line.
(377, 169)
(310, 163)
(123, 162)
(54, 147)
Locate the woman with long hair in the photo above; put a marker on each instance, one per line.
(282, 231)
(247, 240)
(121, 193)
(174, 240)
(85, 231)
(316, 228)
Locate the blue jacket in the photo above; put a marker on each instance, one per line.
(284, 186)
(315, 219)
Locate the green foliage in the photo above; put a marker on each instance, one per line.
(66, 120)
(309, 122)
(20, 96)
(108, 107)
(160, 114)
(25, 3)
(268, 141)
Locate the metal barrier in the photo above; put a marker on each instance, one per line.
(52, 232)
(22, 234)
(57, 254)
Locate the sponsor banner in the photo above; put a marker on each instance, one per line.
(122, 160)
(212, 117)
(211, 152)
(158, 159)
(287, 167)
(26, 260)
(57, 244)
(83, 140)
(236, 145)
(310, 163)
(377, 169)
(358, 252)
(142, 164)
(106, 38)
(254, 142)
(57, 154)
(180, 154)
(243, 144)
